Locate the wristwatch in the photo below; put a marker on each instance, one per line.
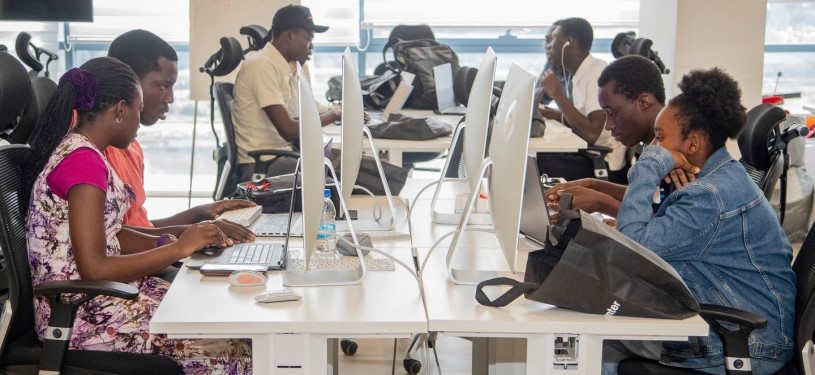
(165, 239)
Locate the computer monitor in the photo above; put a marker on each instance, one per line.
(312, 172)
(353, 129)
(507, 163)
(475, 137)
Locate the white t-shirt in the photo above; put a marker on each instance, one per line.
(584, 97)
(265, 79)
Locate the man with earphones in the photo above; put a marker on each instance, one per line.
(567, 47)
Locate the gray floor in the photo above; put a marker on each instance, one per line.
(375, 357)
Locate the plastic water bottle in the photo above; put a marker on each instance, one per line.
(327, 232)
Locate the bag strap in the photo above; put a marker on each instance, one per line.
(391, 42)
(517, 290)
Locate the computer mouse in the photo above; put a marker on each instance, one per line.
(246, 278)
(277, 296)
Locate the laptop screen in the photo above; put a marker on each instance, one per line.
(534, 210)
(443, 75)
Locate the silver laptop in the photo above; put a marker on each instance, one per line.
(534, 210)
(445, 97)
(266, 255)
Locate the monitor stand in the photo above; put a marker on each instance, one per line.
(374, 225)
(470, 276)
(311, 277)
(446, 215)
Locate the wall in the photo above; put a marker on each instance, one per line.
(693, 34)
(212, 19)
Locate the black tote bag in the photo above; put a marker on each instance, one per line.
(599, 270)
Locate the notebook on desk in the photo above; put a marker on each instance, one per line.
(271, 255)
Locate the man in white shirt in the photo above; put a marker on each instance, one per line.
(568, 46)
(265, 109)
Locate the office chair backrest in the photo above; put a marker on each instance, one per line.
(15, 90)
(42, 89)
(223, 94)
(758, 143)
(411, 32)
(804, 267)
(13, 204)
(463, 83)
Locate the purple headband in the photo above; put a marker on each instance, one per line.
(84, 87)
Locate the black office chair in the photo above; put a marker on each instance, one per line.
(735, 341)
(15, 91)
(42, 89)
(763, 146)
(21, 351)
(223, 92)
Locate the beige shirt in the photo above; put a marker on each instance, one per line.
(265, 79)
(584, 97)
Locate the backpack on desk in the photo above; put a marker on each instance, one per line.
(419, 57)
(595, 269)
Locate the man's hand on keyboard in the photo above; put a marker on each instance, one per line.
(212, 210)
(235, 231)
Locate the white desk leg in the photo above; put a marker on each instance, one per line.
(540, 356)
(262, 356)
(395, 157)
(591, 354)
(316, 348)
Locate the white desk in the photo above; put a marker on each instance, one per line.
(453, 310)
(300, 333)
(388, 304)
(557, 138)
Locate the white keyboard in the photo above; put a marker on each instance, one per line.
(242, 216)
(339, 262)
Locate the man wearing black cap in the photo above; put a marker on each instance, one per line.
(266, 97)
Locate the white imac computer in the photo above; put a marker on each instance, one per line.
(353, 128)
(507, 158)
(475, 141)
(312, 171)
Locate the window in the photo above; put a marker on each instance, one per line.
(790, 50)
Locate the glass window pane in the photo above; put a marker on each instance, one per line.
(797, 75)
(790, 23)
(506, 13)
(341, 17)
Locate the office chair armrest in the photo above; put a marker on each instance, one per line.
(729, 314)
(272, 152)
(91, 288)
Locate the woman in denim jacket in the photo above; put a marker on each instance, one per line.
(718, 232)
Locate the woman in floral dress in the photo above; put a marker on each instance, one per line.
(75, 223)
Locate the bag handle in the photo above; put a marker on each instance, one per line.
(391, 42)
(517, 290)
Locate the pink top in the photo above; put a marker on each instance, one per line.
(82, 166)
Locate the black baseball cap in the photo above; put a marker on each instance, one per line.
(294, 17)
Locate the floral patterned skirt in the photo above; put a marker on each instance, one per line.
(113, 324)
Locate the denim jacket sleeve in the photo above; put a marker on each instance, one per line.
(686, 222)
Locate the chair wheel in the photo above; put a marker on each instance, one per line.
(348, 347)
(412, 366)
